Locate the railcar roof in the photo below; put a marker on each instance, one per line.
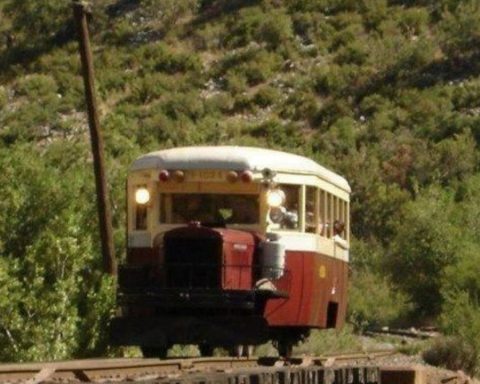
(235, 158)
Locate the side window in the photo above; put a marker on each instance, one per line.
(162, 206)
(329, 220)
(322, 227)
(341, 220)
(311, 209)
(291, 207)
(141, 217)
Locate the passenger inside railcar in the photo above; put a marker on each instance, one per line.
(215, 209)
(192, 208)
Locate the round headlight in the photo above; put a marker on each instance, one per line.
(275, 197)
(277, 214)
(142, 196)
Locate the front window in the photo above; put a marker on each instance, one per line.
(210, 208)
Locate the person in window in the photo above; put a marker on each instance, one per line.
(338, 228)
(196, 209)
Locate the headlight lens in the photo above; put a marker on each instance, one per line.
(275, 198)
(142, 196)
(277, 214)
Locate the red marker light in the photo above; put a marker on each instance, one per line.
(246, 176)
(164, 175)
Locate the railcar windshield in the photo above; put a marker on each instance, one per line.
(210, 208)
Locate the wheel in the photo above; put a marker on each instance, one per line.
(236, 350)
(206, 350)
(158, 352)
(285, 348)
(248, 350)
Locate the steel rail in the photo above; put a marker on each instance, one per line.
(91, 370)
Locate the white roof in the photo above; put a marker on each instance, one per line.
(235, 158)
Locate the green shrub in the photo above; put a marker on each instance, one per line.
(278, 134)
(266, 96)
(452, 353)
(347, 35)
(352, 53)
(329, 79)
(150, 87)
(36, 86)
(121, 33)
(374, 301)
(162, 57)
(243, 103)
(3, 97)
(183, 104)
(235, 58)
(414, 21)
(37, 20)
(272, 27)
(235, 82)
(168, 12)
(220, 102)
(275, 30)
(425, 247)
(330, 341)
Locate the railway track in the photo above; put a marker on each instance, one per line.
(337, 368)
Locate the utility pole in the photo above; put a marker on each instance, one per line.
(80, 12)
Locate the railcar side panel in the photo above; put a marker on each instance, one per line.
(317, 293)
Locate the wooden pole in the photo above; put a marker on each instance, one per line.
(80, 12)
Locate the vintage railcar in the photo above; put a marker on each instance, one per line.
(231, 246)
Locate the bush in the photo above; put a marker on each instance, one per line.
(414, 21)
(330, 341)
(3, 97)
(266, 96)
(54, 302)
(451, 353)
(278, 134)
(300, 105)
(36, 86)
(275, 30)
(162, 57)
(168, 12)
(235, 82)
(374, 301)
(37, 20)
(422, 245)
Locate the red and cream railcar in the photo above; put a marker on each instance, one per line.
(231, 246)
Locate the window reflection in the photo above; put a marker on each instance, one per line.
(212, 208)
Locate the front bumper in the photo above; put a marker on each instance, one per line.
(188, 298)
(177, 329)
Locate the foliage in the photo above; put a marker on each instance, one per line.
(168, 12)
(383, 92)
(383, 305)
(331, 341)
(452, 353)
(55, 302)
(37, 18)
(421, 250)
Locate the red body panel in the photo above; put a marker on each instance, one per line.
(316, 284)
(316, 281)
(237, 256)
(238, 248)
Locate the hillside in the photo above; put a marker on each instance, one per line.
(386, 93)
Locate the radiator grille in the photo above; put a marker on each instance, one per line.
(193, 262)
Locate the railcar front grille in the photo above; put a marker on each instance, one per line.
(193, 262)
